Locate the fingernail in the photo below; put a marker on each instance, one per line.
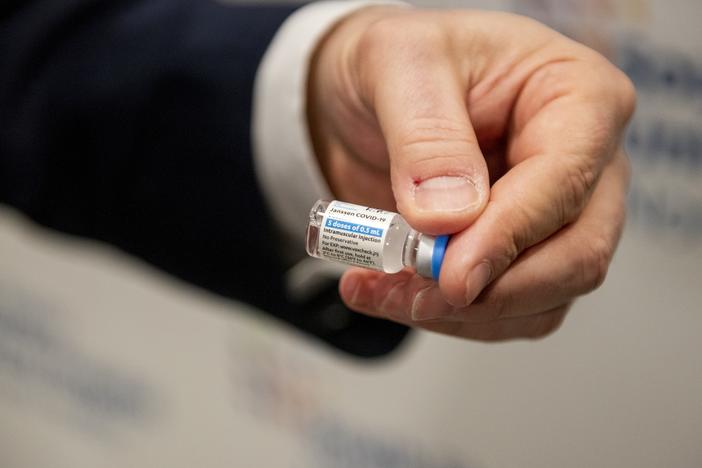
(351, 288)
(478, 278)
(394, 300)
(446, 193)
(429, 304)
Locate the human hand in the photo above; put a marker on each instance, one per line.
(486, 125)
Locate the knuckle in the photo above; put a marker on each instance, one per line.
(515, 235)
(425, 139)
(432, 130)
(622, 159)
(627, 93)
(578, 182)
(401, 34)
(595, 264)
(377, 36)
(620, 91)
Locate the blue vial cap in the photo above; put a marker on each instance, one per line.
(437, 256)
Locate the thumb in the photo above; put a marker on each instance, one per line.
(439, 175)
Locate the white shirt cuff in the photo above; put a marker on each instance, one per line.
(285, 163)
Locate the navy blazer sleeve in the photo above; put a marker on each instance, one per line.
(129, 122)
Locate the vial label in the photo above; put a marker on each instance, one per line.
(354, 234)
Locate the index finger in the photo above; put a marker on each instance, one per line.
(566, 125)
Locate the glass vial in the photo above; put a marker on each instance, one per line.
(371, 238)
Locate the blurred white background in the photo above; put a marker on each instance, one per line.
(106, 362)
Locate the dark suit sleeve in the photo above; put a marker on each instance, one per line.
(129, 122)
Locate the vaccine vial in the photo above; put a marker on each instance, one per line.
(372, 238)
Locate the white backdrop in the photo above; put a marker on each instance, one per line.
(107, 362)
